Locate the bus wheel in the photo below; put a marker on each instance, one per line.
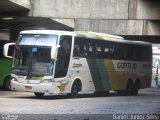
(7, 84)
(129, 87)
(37, 94)
(74, 90)
(136, 87)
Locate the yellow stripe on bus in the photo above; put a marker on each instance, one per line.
(116, 79)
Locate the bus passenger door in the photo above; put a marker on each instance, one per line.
(63, 56)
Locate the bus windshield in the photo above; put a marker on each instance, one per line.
(35, 61)
(33, 55)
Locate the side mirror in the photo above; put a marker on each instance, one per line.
(8, 50)
(53, 52)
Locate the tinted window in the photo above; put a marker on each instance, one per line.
(84, 47)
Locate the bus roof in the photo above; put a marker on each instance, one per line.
(97, 35)
(56, 32)
(86, 34)
(108, 37)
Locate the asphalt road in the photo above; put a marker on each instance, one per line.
(22, 105)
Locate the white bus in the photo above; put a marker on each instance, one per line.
(50, 61)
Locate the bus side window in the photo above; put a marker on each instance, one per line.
(76, 52)
(99, 51)
(80, 48)
(83, 49)
(106, 52)
(92, 49)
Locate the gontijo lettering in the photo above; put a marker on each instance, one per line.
(123, 65)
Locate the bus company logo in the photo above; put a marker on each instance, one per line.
(9, 117)
(62, 87)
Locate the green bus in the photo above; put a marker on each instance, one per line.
(5, 68)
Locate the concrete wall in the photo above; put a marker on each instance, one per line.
(119, 27)
(99, 9)
(122, 27)
(122, 17)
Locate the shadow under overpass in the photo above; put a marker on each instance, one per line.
(15, 24)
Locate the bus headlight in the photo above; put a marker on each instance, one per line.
(46, 81)
(13, 79)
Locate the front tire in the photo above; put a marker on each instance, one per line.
(7, 84)
(39, 95)
(74, 90)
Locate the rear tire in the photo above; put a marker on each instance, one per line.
(129, 87)
(135, 90)
(39, 95)
(136, 87)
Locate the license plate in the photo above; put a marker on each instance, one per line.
(28, 87)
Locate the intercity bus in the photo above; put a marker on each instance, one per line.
(55, 62)
(5, 67)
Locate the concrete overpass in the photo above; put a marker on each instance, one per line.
(15, 16)
(133, 19)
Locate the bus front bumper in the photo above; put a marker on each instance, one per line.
(41, 87)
